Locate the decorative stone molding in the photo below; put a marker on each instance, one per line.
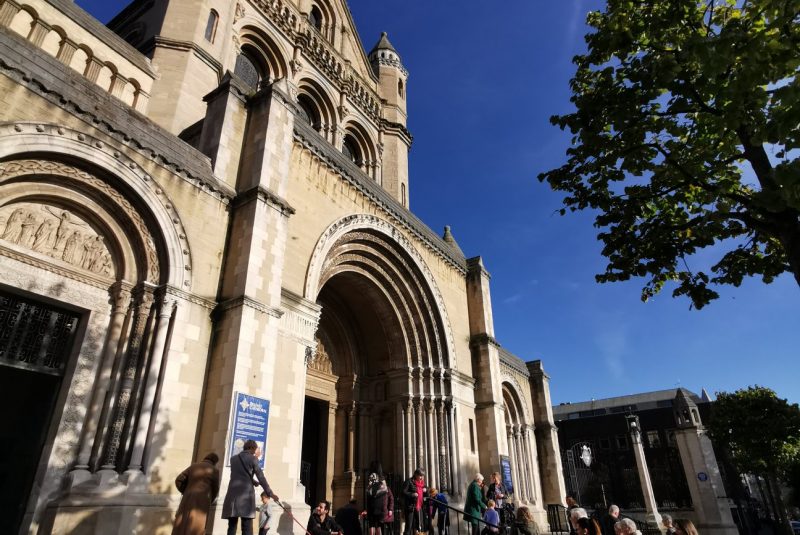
(300, 318)
(34, 69)
(60, 140)
(249, 302)
(336, 161)
(511, 380)
(265, 195)
(353, 223)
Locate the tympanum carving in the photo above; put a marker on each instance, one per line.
(57, 233)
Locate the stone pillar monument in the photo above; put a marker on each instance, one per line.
(711, 506)
(653, 517)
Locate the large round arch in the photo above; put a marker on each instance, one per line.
(90, 251)
(383, 360)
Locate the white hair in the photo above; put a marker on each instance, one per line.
(613, 509)
(478, 477)
(626, 525)
(578, 512)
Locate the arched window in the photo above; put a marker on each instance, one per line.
(315, 18)
(308, 112)
(400, 88)
(247, 70)
(351, 150)
(211, 26)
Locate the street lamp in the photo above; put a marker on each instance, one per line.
(586, 455)
(633, 424)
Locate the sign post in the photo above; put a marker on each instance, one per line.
(250, 419)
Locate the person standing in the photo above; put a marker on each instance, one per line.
(474, 506)
(572, 504)
(414, 491)
(348, 518)
(240, 500)
(199, 485)
(377, 500)
(491, 518)
(666, 521)
(497, 492)
(610, 519)
(264, 514)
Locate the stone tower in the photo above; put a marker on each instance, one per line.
(713, 513)
(396, 140)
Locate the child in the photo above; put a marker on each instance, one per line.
(492, 518)
(264, 514)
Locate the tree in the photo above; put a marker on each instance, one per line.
(684, 137)
(761, 433)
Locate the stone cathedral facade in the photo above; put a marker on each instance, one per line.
(211, 198)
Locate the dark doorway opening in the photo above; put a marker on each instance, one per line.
(314, 457)
(36, 341)
(28, 399)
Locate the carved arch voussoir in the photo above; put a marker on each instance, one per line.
(359, 222)
(519, 394)
(54, 142)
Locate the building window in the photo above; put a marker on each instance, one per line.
(351, 151)
(622, 442)
(211, 26)
(308, 112)
(471, 435)
(315, 18)
(672, 439)
(400, 88)
(653, 439)
(604, 443)
(403, 194)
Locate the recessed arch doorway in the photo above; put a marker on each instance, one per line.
(378, 383)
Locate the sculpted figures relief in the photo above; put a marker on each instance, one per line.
(57, 233)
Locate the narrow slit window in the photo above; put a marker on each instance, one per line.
(211, 26)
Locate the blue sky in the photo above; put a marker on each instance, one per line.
(483, 84)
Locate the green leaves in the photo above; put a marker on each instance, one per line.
(760, 430)
(678, 105)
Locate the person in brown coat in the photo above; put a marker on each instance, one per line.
(199, 485)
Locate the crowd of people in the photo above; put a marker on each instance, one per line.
(487, 509)
(614, 523)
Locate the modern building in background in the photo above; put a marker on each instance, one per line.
(205, 236)
(688, 478)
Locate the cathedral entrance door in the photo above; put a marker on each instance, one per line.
(36, 341)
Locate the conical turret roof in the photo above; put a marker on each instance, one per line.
(451, 241)
(383, 44)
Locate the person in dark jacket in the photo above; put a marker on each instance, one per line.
(240, 500)
(348, 519)
(414, 491)
(610, 519)
(320, 522)
(199, 485)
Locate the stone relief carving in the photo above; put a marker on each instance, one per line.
(321, 361)
(57, 233)
(240, 12)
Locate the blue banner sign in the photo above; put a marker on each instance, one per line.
(250, 418)
(505, 473)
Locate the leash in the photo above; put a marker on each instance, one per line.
(288, 512)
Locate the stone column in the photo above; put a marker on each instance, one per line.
(7, 13)
(652, 517)
(133, 358)
(533, 456)
(351, 437)
(420, 428)
(711, 507)
(402, 440)
(152, 375)
(514, 457)
(433, 465)
(553, 487)
(410, 437)
(120, 302)
(330, 467)
(340, 464)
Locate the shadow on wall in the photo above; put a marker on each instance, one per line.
(143, 505)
